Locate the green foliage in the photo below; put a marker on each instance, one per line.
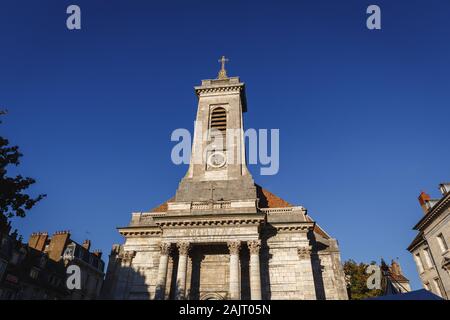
(357, 281)
(13, 199)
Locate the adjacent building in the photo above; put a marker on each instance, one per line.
(37, 270)
(394, 281)
(27, 273)
(430, 248)
(62, 249)
(222, 236)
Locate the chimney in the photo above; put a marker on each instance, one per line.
(395, 268)
(115, 249)
(38, 240)
(423, 200)
(58, 244)
(97, 253)
(86, 244)
(33, 239)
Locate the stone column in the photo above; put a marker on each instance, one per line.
(235, 288)
(162, 271)
(255, 276)
(125, 274)
(306, 271)
(180, 291)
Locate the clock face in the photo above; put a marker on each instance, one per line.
(217, 160)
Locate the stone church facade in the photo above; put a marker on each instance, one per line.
(222, 236)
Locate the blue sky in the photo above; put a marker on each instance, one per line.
(363, 115)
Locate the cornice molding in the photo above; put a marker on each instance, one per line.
(227, 88)
(437, 209)
(212, 222)
(140, 231)
(302, 226)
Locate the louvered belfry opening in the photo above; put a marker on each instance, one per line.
(219, 121)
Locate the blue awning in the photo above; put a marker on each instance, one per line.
(421, 294)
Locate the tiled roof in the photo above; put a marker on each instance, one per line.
(318, 229)
(163, 206)
(268, 200)
(398, 277)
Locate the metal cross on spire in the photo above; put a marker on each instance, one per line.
(223, 72)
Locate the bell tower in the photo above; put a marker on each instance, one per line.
(218, 169)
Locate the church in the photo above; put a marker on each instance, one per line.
(222, 236)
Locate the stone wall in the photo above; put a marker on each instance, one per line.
(292, 266)
(286, 274)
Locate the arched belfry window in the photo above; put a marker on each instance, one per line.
(219, 122)
(219, 119)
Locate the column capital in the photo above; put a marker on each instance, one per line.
(127, 255)
(165, 248)
(304, 252)
(254, 246)
(234, 246)
(183, 248)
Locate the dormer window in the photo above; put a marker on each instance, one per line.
(445, 188)
(69, 253)
(430, 203)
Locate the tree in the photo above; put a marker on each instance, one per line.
(13, 199)
(357, 281)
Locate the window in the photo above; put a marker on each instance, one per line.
(7, 295)
(437, 286)
(426, 254)
(34, 273)
(15, 258)
(97, 282)
(69, 252)
(35, 293)
(219, 121)
(418, 262)
(442, 242)
(42, 262)
(5, 242)
(3, 265)
(54, 281)
(87, 284)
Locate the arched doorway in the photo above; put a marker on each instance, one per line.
(212, 296)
